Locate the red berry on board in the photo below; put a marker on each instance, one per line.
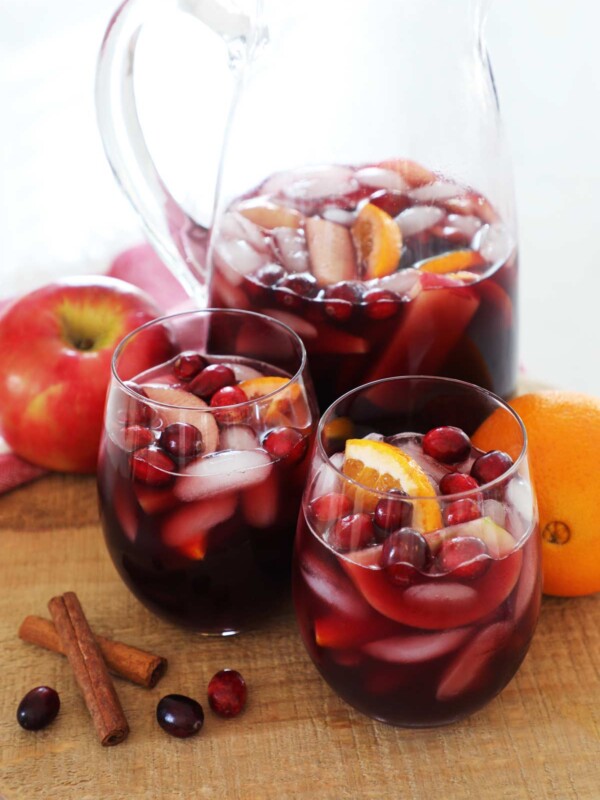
(227, 693)
(179, 715)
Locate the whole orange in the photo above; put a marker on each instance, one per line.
(563, 430)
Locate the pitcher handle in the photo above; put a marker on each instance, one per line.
(180, 241)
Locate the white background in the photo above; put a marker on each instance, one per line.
(61, 213)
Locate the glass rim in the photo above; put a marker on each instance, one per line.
(205, 311)
(509, 474)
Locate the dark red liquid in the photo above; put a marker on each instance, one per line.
(462, 325)
(424, 654)
(216, 562)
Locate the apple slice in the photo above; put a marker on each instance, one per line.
(224, 472)
(381, 178)
(331, 251)
(185, 407)
(468, 668)
(340, 632)
(433, 324)
(435, 603)
(270, 215)
(414, 174)
(416, 648)
(260, 504)
(499, 541)
(333, 340)
(153, 500)
(187, 529)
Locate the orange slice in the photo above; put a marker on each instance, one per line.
(378, 241)
(383, 467)
(456, 261)
(288, 407)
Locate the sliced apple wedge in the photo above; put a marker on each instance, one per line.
(331, 251)
(185, 407)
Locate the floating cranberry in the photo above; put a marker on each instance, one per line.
(466, 557)
(352, 532)
(461, 511)
(270, 274)
(403, 554)
(188, 365)
(38, 708)
(340, 300)
(447, 444)
(392, 514)
(179, 715)
(490, 466)
(303, 284)
(391, 201)
(136, 436)
(380, 304)
(228, 396)
(329, 507)
(455, 482)
(288, 444)
(181, 440)
(211, 379)
(227, 693)
(152, 466)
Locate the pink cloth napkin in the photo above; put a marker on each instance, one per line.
(141, 266)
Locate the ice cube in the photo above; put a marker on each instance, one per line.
(339, 215)
(260, 503)
(374, 437)
(238, 437)
(495, 510)
(189, 521)
(467, 670)
(419, 218)
(327, 480)
(416, 648)
(380, 178)
(332, 588)
(411, 445)
(235, 227)
(242, 372)
(401, 282)
(494, 242)
(239, 256)
(290, 246)
(520, 496)
(320, 181)
(434, 192)
(467, 225)
(219, 473)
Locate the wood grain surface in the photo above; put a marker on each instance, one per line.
(539, 740)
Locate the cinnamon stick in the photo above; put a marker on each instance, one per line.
(136, 665)
(85, 658)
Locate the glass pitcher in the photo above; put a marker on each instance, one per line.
(358, 189)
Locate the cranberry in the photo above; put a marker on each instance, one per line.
(447, 444)
(227, 693)
(38, 708)
(181, 440)
(152, 466)
(328, 508)
(270, 274)
(179, 715)
(490, 466)
(455, 482)
(228, 396)
(288, 444)
(340, 300)
(465, 556)
(211, 379)
(391, 514)
(288, 299)
(380, 304)
(403, 554)
(461, 511)
(391, 201)
(188, 365)
(352, 532)
(136, 436)
(303, 284)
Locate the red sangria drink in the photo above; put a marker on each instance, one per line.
(382, 269)
(416, 573)
(202, 465)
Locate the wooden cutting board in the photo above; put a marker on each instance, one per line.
(539, 740)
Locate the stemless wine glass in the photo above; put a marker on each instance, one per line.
(209, 415)
(417, 562)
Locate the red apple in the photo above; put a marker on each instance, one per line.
(56, 345)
